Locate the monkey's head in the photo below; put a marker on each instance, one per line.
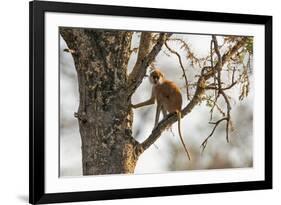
(156, 77)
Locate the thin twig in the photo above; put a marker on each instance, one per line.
(228, 114)
(214, 102)
(182, 68)
(225, 88)
(204, 143)
(190, 54)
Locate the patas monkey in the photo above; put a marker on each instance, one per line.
(168, 98)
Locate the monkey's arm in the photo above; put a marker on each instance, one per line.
(147, 102)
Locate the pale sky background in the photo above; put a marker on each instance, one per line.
(168, 153)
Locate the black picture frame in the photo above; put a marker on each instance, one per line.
(37, 192)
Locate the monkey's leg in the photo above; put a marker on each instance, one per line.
(145, 103)
(158, 108)
(164, 112)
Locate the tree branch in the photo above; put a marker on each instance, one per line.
(225, 58)
(204, 143)
(220, 90)
(190, 55)
(182, 68)
(225, 88)
(68, 34)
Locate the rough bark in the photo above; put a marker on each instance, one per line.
(105, 120)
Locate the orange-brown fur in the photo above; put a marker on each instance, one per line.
(168, 94)
(168, 98)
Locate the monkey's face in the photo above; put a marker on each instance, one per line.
(156, 77)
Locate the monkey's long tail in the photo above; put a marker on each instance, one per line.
(179, 129)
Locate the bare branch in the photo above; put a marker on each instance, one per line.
(190, 55)
(228, 114)
(225, 88)
(182, 68)
(215, 79)
(204, 143)
(219, 64)
(233, 74)
(226, 57)
(220, 92)
(219, 85)
(214, 104)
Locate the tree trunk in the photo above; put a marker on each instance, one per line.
(105, 119)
